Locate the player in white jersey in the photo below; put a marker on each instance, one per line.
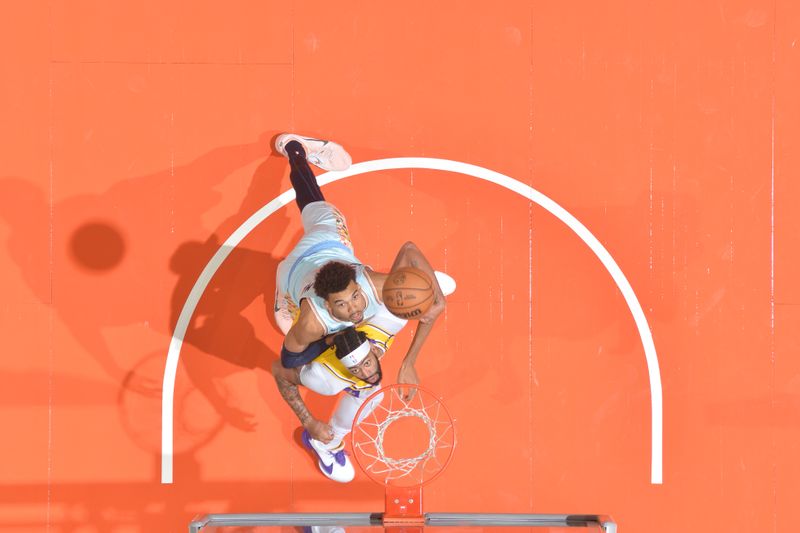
(321, 286)
(351, 365)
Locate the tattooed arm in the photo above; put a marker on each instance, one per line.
(287, 380)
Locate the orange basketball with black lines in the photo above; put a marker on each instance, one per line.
(408, 292)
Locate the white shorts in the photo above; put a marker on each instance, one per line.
(322, 223)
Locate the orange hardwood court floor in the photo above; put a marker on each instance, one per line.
(136, 140)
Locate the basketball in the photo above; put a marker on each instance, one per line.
(408, 292)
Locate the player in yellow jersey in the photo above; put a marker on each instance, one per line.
(350, 365)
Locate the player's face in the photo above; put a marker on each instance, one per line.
(349, 304)
(370, 368)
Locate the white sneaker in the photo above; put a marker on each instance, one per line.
(326, 155)
(335, 465)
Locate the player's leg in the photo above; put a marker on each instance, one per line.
(303, 180)
(342, 420)
(333, 462)
(304, 150)
(324, 226)
(322, 218)
(285, 309)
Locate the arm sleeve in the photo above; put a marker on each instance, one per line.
(295, 359)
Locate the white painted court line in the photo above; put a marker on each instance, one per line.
(173, 355)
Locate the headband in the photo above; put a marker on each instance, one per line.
(355, 357)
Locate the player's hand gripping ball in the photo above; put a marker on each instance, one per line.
(408, 292)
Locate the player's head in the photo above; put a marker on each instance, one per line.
(359, 355)
(336, 284)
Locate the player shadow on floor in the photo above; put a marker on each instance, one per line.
(151, 228)
(104, 259)
(232, 327)
(101, 258)
(230, 342)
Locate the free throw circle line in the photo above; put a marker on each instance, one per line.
(399, 163)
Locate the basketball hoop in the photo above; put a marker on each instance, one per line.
(403, 444)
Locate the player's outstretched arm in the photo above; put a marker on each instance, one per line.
(408, 372)
(287, 380)
(410, 255)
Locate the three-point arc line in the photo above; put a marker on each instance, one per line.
(168, 389)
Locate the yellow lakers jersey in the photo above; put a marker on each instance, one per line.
(376, 335)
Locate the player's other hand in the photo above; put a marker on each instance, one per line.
(319, 430)
(408, 374)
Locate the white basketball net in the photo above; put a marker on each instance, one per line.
(369, 434)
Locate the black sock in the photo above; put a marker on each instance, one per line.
(303, 180)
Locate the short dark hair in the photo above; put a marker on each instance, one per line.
(333, 277)
(348, 340)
